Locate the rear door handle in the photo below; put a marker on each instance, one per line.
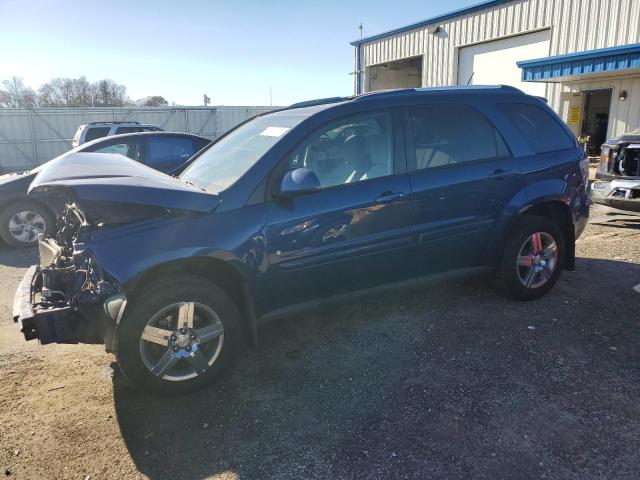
(388, 197)
(499, 174)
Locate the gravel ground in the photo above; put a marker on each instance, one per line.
(446, 381)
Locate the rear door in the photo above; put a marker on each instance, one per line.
(353, 232)
(462, 177)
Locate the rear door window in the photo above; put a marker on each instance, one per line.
(96, 132)
(199, 144)
(121, 148)
(166, 153)
(452, 135)
(541, 130)
(129, 148)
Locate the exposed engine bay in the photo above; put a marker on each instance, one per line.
(67, 289)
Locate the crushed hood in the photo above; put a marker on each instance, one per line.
(104, 178)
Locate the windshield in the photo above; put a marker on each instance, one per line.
(230, 158)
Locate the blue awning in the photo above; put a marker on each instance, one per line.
(623, 59)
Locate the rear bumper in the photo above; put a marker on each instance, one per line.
(582, 217)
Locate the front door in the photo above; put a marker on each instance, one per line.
(353, 232)
(462, 178)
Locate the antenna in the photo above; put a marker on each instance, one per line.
(360, 27)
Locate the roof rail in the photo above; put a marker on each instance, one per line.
(320, 101)
(118, 122)
(386, 92)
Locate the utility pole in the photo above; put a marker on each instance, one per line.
(271, 96)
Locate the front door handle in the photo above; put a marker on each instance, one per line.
(388, 197)
(499, 174)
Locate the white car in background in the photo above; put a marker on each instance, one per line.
(93, 130)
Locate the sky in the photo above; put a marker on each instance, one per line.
(233, 51)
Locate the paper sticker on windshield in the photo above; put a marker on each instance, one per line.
(274, 131)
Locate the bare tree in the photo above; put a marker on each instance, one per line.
(68, 92)
(15, 94)
(64, 92)
(111, 94)
(153, 101)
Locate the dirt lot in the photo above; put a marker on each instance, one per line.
(446, 381)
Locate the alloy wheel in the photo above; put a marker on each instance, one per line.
(537, 260)
(25, 226)
(182, 341)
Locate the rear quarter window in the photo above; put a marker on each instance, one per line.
(542, 131)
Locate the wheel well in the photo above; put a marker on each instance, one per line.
(218, 271)
(561, 215)
(14, 200)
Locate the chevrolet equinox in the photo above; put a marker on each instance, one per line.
(308, 204)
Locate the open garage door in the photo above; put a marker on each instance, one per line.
(406, 73)
(493, 63)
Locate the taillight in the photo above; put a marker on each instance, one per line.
(584, 166)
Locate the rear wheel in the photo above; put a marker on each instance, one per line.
(22, 222)
(532, 258)
(178, 335)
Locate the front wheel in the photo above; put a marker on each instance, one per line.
(22, 222)
(178, 335)
(532, 258)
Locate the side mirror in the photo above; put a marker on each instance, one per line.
(298, 181)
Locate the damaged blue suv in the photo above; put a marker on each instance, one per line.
(309, 204)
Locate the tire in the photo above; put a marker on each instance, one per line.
(32, 217)
(139, 358)
(521, 272)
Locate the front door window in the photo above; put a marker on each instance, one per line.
(350, 150)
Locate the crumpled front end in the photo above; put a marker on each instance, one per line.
(68, 297)
(623, 194)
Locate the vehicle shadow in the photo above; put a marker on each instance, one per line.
(17, 257)
(452, 380)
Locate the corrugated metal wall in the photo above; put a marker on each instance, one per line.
(623, 116)
(576, 25)
(31, 137)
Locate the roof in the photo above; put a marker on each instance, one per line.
(313, 106)
(623, 58)
(432, 20)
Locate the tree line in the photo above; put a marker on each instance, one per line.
(70, 92)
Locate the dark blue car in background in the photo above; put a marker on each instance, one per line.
(22, 219)
(308, 204)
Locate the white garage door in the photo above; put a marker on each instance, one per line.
(493, 63)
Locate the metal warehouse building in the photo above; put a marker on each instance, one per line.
(582, 55)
